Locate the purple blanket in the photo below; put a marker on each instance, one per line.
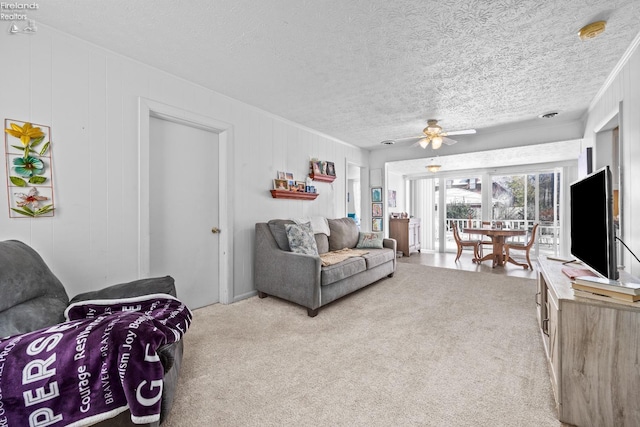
(96, 365)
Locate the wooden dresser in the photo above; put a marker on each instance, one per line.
(593, 349)
(406, 231)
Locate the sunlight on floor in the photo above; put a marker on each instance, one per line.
(447, 260)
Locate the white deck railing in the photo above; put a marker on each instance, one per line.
(547, 237)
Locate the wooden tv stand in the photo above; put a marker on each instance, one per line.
(593, 350)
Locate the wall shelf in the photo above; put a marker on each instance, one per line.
(299, 195)
(321, 177)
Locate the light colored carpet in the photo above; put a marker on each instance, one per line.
(429, 347)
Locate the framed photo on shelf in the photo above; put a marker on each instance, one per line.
(289, 176)
(317, 168)
(376, 224)
(282, 175)
(331, 169)
(376, 210)
(300, 185)
(376, 194)
(281, 184)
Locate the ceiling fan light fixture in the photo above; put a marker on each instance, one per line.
(432, 128)
(433, 168)
(424, 142)
(436, 142)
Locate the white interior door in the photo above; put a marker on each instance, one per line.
(183, 209)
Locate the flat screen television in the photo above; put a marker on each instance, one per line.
(592, 227)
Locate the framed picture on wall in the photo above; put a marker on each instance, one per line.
(391, 197)
(376, 210)
(376, 194)
(376, 224)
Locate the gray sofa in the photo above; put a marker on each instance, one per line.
(32, 298)
(302, 279)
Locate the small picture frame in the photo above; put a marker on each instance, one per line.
(281, 184)
(331, 169)
(376, 210)
(376, 224)
(289, 176)
(301, 186)
(391, 197)
(376, 194)
(282, 175)
(292, 185)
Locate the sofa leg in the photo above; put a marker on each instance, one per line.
(312, 313)
(391, 275)
(262, 294)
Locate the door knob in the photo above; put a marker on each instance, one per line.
(215, 230)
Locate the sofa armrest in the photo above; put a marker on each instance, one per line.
(152, 285)
(391, 244)
(288, 275)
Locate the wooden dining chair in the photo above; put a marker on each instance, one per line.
(522, 247)
(475, 244)
(486, 241)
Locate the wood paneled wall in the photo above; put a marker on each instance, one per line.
(89, 97)
(625, 88)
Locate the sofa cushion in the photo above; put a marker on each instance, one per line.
(279, 233)
(301, 239)
(322, 242)
(342, 270)
(371, 240)
(376, 257)
(344, 234)
(136, 288)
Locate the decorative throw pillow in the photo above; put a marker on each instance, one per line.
(344, 233)
(369, 241)
(301, 240)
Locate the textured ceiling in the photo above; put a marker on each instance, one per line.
(365, 71)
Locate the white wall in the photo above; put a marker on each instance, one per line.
(396, 183)
(625, 88)
(89, 97)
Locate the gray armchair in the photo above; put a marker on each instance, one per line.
(32, 298)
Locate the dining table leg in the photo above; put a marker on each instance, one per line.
(498, 250)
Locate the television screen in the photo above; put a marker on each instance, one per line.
(592, 228)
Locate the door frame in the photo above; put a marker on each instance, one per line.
(147, 109)
(364, 224)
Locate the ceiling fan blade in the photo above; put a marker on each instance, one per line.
(448, 141)
(409, 139)
(462, 132)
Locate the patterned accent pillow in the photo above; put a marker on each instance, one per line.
(369, 241)
(301, 240)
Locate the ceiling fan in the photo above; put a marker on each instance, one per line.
(433, 134)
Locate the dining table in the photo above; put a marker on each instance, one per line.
(498, 236)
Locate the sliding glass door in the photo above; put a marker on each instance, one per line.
(462, 204)
(520, 201)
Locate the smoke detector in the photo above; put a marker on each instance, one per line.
(549, 115)
(388, 142)
(592, 30)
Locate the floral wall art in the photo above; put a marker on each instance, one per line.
(29, 182)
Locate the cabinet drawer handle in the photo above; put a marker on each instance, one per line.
(538, 299)
(545, 326)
